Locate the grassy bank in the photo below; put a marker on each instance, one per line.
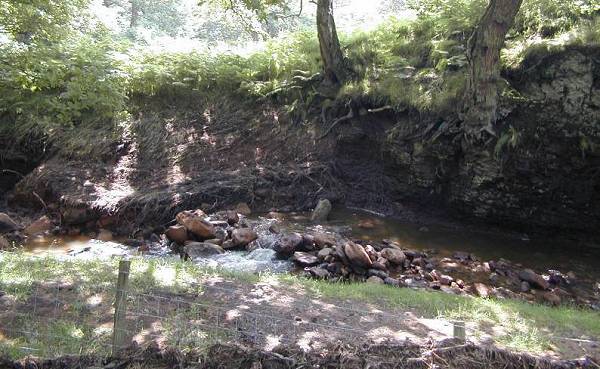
(513, 324)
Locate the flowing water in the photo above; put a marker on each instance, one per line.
(538, 253)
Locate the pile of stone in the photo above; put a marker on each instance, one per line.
(326, 256)
(329, 256)
(196, 235)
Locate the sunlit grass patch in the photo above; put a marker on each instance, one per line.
(514, 324)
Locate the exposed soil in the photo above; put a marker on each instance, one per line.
(539, 173)
(400, 356)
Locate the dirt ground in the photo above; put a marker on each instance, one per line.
(398, 356)
(264, 315)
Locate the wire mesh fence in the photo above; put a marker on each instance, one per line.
(61, 318)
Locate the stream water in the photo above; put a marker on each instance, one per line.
(538, 253)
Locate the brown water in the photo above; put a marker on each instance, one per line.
(538, 253)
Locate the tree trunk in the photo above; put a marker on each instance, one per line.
(329, 44)
(135, 14)
(483, 53)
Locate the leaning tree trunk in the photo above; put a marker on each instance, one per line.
(135, 14)
(483, 53)
(331, 51)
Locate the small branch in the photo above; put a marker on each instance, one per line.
(39, 198)
(377, 110)
(346, 117)
(13, 172)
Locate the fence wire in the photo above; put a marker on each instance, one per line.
(55, 318)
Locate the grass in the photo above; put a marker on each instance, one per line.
(519, 325)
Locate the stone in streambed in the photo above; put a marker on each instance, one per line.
(381, 263)
(394, 256)
(319, 272)
(177, 233)
(201, 249)
(305, 259)
(377, 273)
(357, 255)
(7, 224)
(323, 240)
(308, 242)
(232, 217)
(321, 212)
(243, 208)
(104, 235)
(552, 298)
(323, 253)
(375, 280)
(41, 225)
(481, 290)
(195, 222)
(287, 245)
(243, 236)
(75, 216)
(4, 243)
(393, 282)
(534, 279)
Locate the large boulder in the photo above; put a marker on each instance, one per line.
(243, 236)
(534, 279)
(305, 259)
(42, 225)
(177, 233)
(357, 255)
(321, 212)
(287, 245)
(393, 255)
(7, 224)
(195, 222)
(201, 249)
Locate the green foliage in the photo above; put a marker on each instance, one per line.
(261, 8)
(398, 64)
(509, 139)
(45, 89)
(443, 19)
(38, 20)
(548, 18)
(255, 76)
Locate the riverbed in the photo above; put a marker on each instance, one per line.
(442, 240)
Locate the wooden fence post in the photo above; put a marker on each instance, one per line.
(119, 327)
(459, 331)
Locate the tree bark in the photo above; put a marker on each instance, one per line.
(331, 52)
(483, 53)
(135, 14)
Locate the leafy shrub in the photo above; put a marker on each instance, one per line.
(547, 18)
(43, 89)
